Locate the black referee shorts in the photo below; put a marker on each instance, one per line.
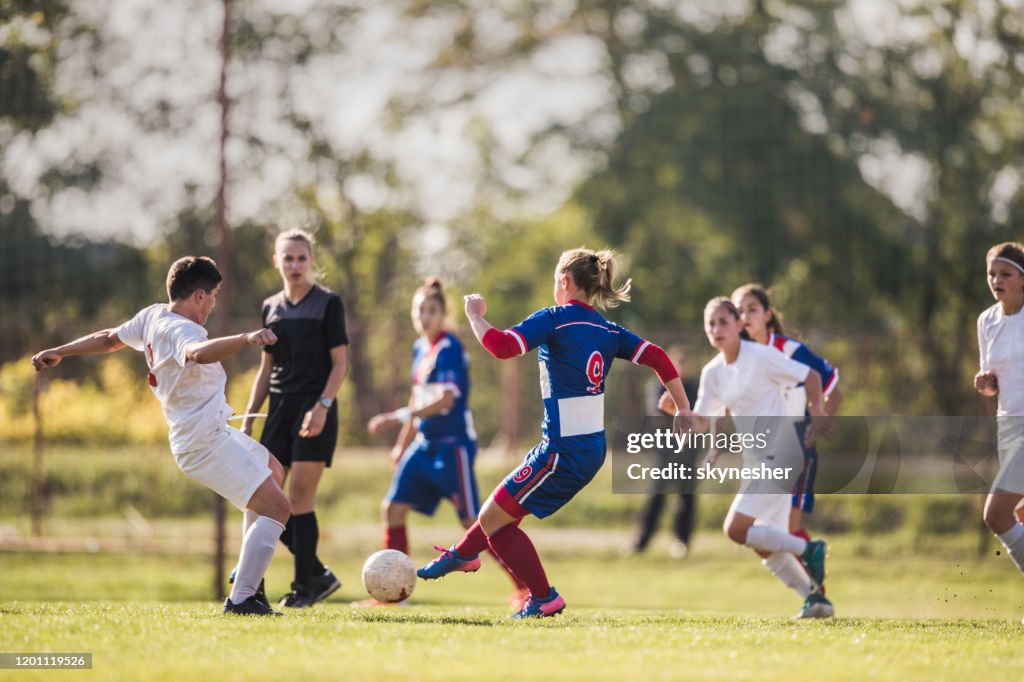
(284, 421)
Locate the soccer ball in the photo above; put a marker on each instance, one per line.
(389, 576)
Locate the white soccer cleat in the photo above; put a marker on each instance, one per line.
(816, 606)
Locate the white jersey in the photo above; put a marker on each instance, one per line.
(749, 387)
(1001, 344)
(192, 395)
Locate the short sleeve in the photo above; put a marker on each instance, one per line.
(631, 346)
(334, 323)
(784, 371)
(820, 365)
(534, 330)
(180, 338)
(708, 403)
(131, 332)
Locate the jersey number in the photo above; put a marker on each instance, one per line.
(595, 372)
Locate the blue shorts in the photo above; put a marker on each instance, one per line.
(430, 471)
(803, 491)
(548, 478)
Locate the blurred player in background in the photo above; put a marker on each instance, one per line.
(576, 349)
(686, 502)
(1001, 342)
(436, 446)
(763, 324)
(302, 373)
(747, 379)
(186, 376)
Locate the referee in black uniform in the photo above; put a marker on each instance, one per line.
(302, 373)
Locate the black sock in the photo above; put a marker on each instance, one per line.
(306, 534)
(288, 533)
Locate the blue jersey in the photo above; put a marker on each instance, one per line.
(437, 367)
(576, 348)
(796, 400)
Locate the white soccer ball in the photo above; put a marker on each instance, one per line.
(389, 576)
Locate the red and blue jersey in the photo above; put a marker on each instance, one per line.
(576, 347)
(438, 367)
(796, 400)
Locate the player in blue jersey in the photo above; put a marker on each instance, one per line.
(436, 445)
(576, 347)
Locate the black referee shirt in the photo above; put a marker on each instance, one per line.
(306, 332)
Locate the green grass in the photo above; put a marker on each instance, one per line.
(716, 615)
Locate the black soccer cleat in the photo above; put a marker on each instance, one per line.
(296, 599)
(321, 587)
(250, 607)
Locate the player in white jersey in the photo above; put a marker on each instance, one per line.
(746, 379)
(186, 376)
(1000, 342)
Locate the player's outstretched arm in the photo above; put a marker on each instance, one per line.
(217, 349)
(97, 343)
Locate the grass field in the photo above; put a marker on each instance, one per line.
(715, 615)
(124, 571)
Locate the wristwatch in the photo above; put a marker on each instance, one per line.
(325, 401)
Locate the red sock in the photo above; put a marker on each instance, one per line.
(473, 542)
(515, 550)
(515, 579)
(802, 533)
(395, 537)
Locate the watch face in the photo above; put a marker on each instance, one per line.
(325, 402)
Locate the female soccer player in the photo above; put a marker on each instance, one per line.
(187, 378)
(747, 379)
(576, 349)
(763, 324)
(436, 445)
(302, 373)
(1000, 339)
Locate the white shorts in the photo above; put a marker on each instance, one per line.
(771, 509)
(233, 466)
(1011, 456)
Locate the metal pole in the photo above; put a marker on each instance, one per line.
(224, 263)
(38, 492)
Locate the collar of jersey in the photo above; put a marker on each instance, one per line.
(573, 301)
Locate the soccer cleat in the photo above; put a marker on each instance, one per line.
(250, 607)
(552, 605)
(813, 559)
(261, 591)
(816, 606)
(448, 562)
(261, 594)
(321, 587)
(295, 600)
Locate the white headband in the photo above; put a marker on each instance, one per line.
(1013, 263)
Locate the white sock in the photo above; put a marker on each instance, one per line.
(257, 550)
(786, 568)
(248, 518)
(770, 539)
(1013, 540)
